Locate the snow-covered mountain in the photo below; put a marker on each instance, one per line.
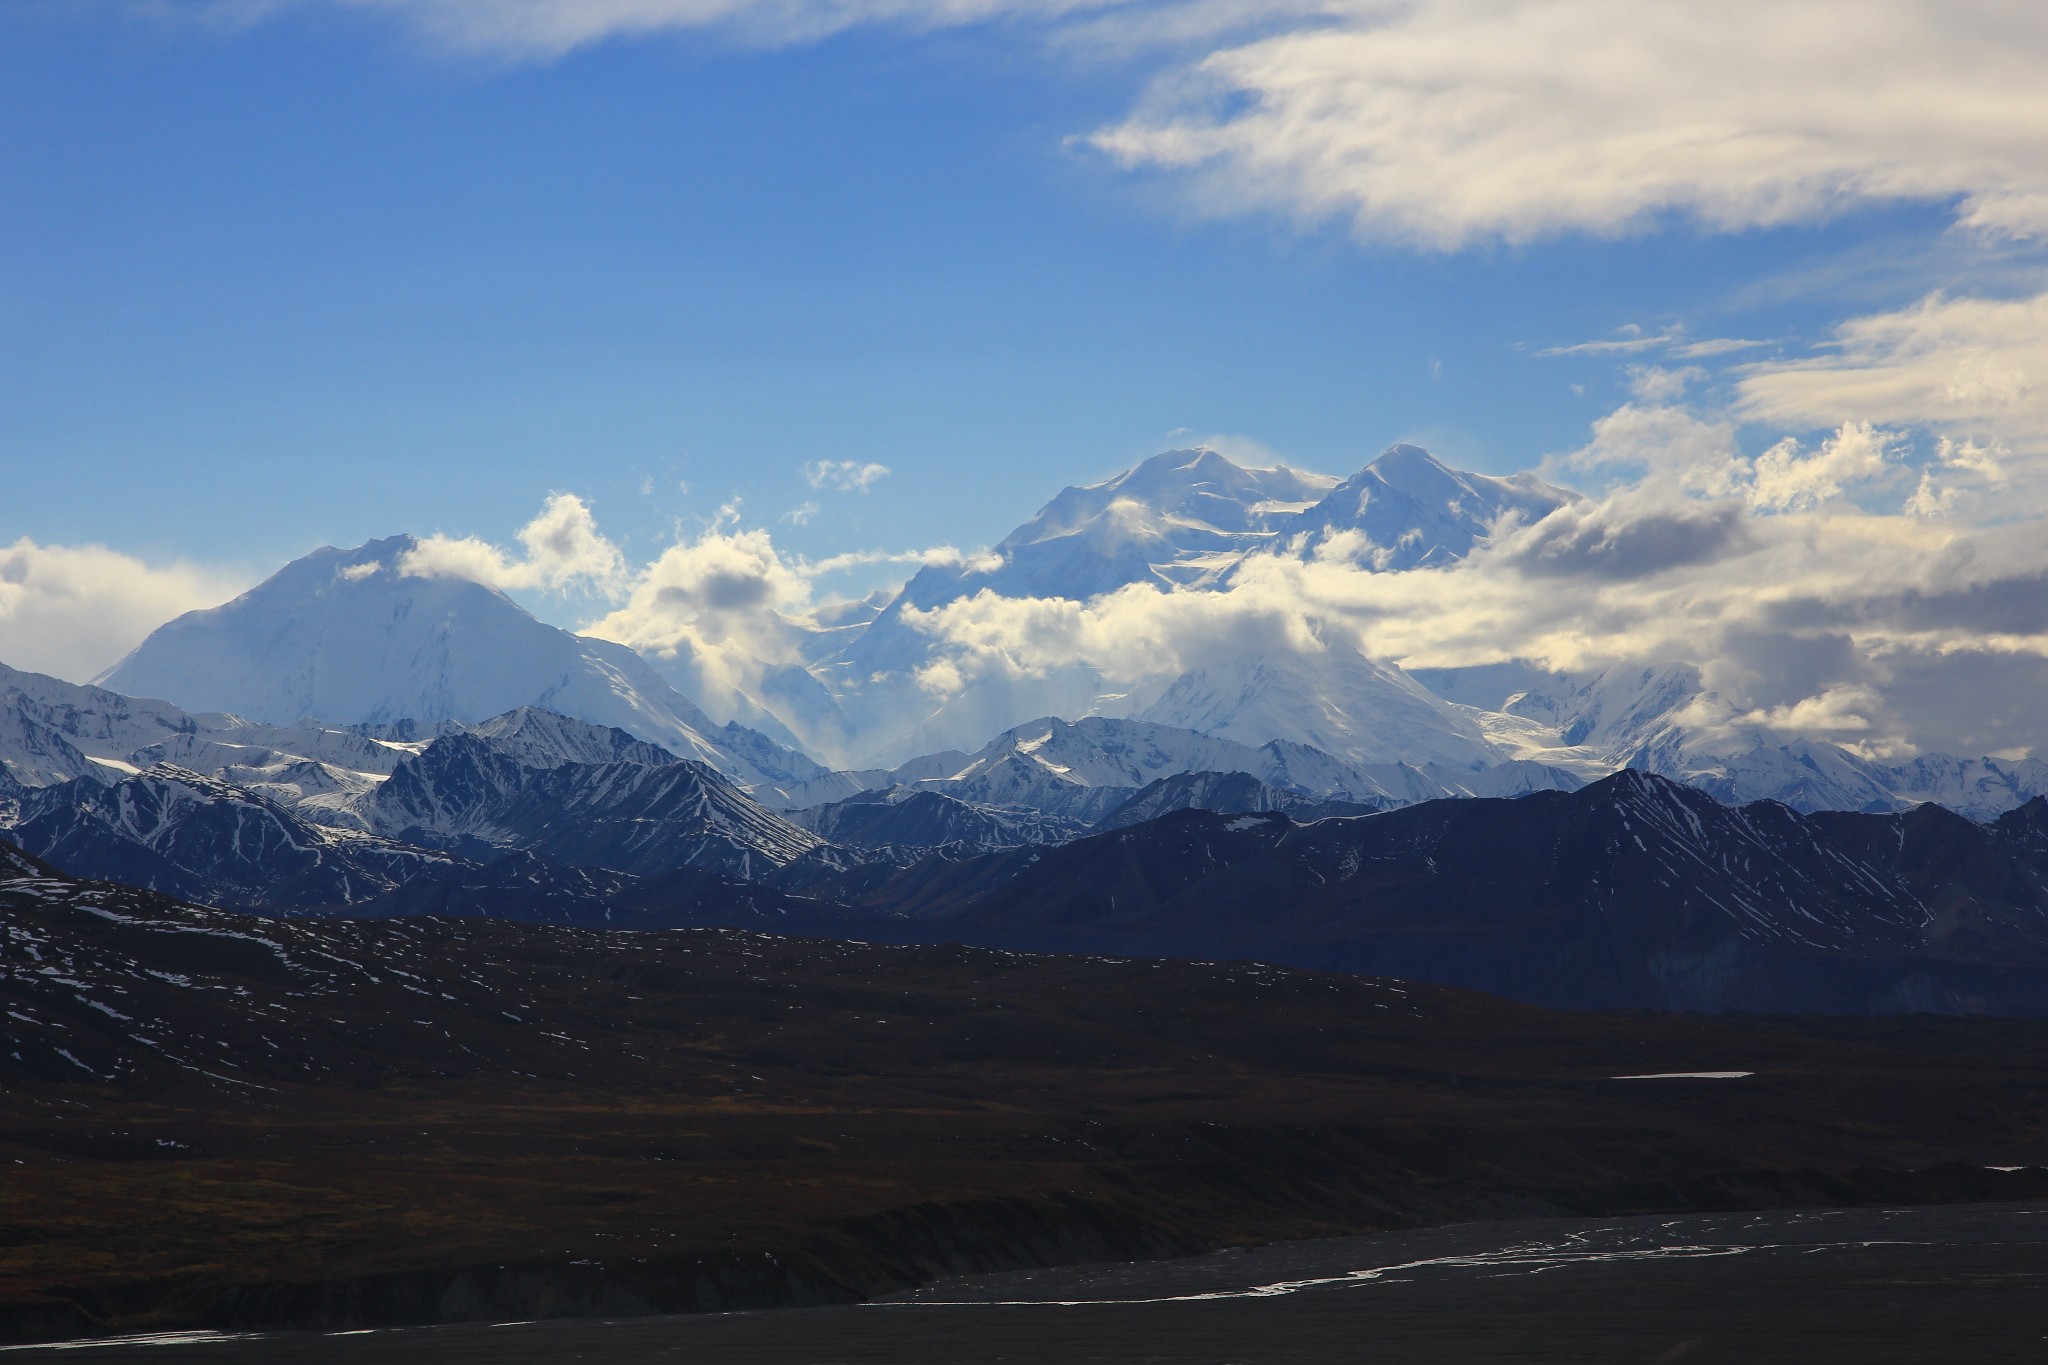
(1182, 519)
(914, 818)
(1414, 511)
(1175, 518)
(1663, 719)
(581, 795)
(1335, 700)
(351, 636)
(311, 688)
(1084, 769)
(205, 840)
(1181, 516)
(52, 731)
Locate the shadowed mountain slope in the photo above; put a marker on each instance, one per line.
(1635, 891)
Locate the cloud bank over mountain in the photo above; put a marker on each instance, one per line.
(1812, 586)
(71, 610)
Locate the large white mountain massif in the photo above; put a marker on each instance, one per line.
(355, 637)
(281, 690)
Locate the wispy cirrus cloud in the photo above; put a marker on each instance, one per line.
(1443, 123)
(845, 476)
(1969, 365)
(544, 30)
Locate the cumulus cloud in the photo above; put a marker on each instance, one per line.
(1973, 371)
(1661, 443)
(1784, 478)
(1630, 535)
(1812, 604)
(563, 549)
(724, 587)
(1445, 122)
(1666, 444)
(726, 615)
(74, 610)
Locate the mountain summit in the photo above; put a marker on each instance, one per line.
(1417, 512)
(1182, 519)
(355, 636)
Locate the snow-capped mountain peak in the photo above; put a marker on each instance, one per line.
(355, 636)
(1418, 512)
(1335, 700)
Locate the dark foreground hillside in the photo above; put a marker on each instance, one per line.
(218, 1120)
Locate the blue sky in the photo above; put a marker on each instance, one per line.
(276, 273)
(310, 280)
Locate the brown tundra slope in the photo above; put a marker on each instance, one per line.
(209, 1118)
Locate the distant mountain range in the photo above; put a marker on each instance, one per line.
(343, 648)
(1633, 891)
(354, 737)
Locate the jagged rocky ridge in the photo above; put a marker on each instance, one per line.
(1634, 891)
(1229, 794)
(199, 838)
(566, 794)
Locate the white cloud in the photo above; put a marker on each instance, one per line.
(1970, 375)
(1659, 442)
(73, 611)
(1969, 366)
(563, 550)
(1797, 618)
(546, 29)
(1445, 122)
(938, 556)
(1633, 340)
(1816, 595)
(1837, 713)
(1655, 384)
(845, 476)
(1708, 347)
(724, 587)
(1784, 479)
(1627, 340)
